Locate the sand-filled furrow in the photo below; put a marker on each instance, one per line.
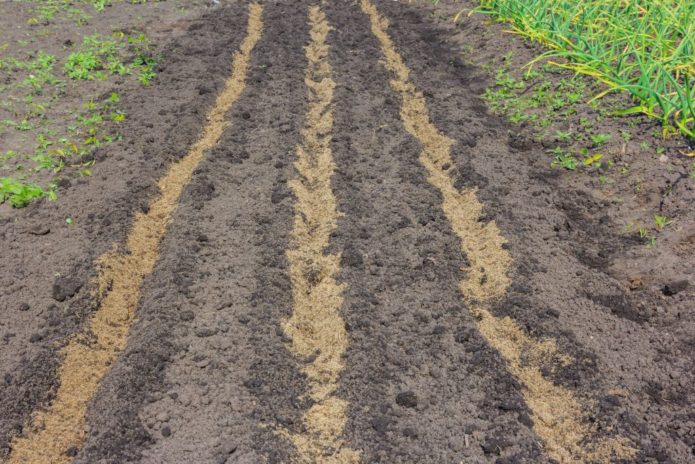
(558, 413)
(316, 326)
(59, 431)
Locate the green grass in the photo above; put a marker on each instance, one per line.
(545, 101)
(643, 47)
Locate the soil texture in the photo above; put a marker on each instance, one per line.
(364, 265)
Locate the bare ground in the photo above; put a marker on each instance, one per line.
(208, 374)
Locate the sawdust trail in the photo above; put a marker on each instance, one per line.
(558, 413)
(59, 431)
(316, 327)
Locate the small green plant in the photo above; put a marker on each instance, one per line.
(83, 65)
(20, 194)
(586, 124)
(645, 235)
(661, 221)
(99, 5)
(600, 139)
(564, 160)
(563, 136)
(24, 125)
(44, 161)
(590, 160)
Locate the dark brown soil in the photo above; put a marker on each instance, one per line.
(24, 38)
(208, 375)
(46, 291)
(415, 359)
(649, 175)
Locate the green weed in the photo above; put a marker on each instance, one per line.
(83, 65)
(563, 159)
(643, 47)
(645, 235)
(600, 139)
(661, 221)
(20, 194)
(100, 57)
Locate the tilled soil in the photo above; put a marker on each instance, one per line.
(215, 368)
(49, 265)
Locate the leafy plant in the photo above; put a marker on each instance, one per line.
(592, 159)
(18, 193)
(661, 221)
(600, 139)
(564, 160)
(82, 65)
(651, 239)
(563, 136)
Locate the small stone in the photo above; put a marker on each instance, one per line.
(166, 431)
(229, 447)
(65, 287)
(24, 307)
(39, 229)
(494, 446)
(526, 420)
(381, 424)
(407, 399)
(635, 282)
(204, 332)
(508, 405)
(456, 443)
(677, 286)
(351, 258)
(438, 330)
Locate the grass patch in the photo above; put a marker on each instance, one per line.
(643, 47)
(534, 97)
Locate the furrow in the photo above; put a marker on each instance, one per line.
(558, 413)
(316, 327)
(58, 432)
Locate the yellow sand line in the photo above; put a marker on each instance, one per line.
(62, 426)
(316, 327)
(557, 412)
